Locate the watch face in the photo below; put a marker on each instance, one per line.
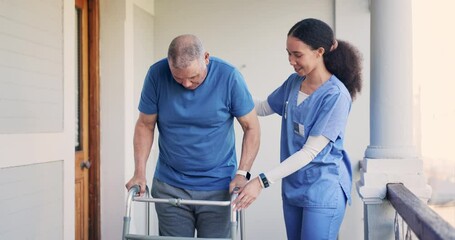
(248, 176)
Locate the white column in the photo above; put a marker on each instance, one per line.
(391, 80)
(391, 155)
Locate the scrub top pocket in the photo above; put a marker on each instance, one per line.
(322, 187)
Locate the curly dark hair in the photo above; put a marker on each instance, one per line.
(344, 61)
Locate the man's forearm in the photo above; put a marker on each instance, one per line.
(250, 148)
(143, 140)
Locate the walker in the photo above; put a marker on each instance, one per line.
(237, 217)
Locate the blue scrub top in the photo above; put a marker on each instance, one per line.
(196, 134)
(324, 112)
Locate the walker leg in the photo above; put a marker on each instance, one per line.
(233, 231)
(242, 225)
(126, 226)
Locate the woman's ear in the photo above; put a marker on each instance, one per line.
(320, 51)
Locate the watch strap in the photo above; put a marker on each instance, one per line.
(244, 173)
(264, 180)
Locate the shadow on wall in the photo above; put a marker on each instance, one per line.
(441, 178)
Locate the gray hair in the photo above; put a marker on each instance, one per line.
(185, 49)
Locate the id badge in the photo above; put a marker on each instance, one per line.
(299, 129)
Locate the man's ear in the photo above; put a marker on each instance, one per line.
(206, 58)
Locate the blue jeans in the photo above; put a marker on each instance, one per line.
(185, 220)
(312, 223)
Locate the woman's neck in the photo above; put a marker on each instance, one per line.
(313, 81)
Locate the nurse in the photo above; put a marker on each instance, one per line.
(314, 104)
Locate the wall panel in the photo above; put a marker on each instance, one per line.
(31, 201)
(31, 66)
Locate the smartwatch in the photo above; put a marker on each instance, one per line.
(246, 174)
(264, 180)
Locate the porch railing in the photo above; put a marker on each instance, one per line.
(423, 221)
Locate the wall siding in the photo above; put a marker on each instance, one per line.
(31, 203)
(31, 66)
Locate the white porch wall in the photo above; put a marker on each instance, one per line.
(112, 116)
(119, 94)
(122, 70)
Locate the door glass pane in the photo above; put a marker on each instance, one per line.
(78, 67)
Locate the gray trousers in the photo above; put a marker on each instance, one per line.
(185, 220)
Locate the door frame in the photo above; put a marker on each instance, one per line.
(94, 120)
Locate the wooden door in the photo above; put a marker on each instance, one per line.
(82, 163)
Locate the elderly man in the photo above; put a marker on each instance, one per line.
(193, 99)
